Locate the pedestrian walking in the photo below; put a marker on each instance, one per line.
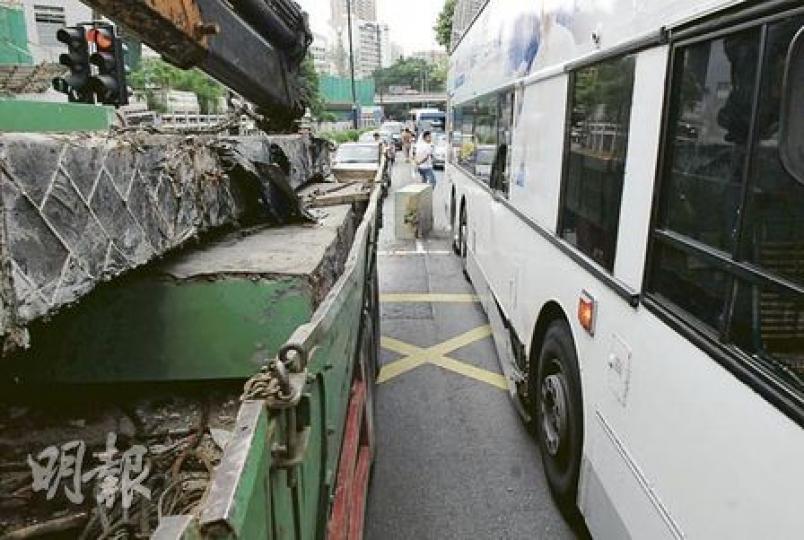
(424, 158)
(407, 140)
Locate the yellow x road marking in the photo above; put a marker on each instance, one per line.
(436, 355)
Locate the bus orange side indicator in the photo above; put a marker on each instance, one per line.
(587, 307)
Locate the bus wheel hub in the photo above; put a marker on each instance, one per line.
(554, 412)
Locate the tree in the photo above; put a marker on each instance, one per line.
(443, 26)
(416, 73)
(309, 85)
(155, 73)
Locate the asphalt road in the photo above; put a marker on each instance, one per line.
(454, 460)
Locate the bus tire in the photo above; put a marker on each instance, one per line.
(463, 233)
(559, 415)
(456, 248)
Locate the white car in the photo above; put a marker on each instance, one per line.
(356, 162)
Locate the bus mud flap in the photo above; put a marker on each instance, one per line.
(502, 343)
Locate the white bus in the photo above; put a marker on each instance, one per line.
(426, 119)
(637, 240)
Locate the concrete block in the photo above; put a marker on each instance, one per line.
(413, 211)
(77, 210)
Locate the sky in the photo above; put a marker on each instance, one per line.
(410, 21)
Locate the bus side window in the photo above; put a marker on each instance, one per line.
(597, 140)
(728, 248)
(455, 136)
(791, 145)
(466, 150)
(500, 168)
(485, 137)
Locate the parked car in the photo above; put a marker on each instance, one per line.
(395, 129)
(356, 162)
(367, 137)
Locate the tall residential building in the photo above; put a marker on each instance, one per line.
(372, 47)
(465, 12)
(321, 54)
(43, 18)
(395, 52)
(361, 9)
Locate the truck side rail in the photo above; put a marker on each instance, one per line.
(257, 485)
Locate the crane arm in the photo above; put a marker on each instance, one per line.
(255, 47)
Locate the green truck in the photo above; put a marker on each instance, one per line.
(190, 334)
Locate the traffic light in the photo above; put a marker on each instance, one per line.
(76, 84)
(109, 83)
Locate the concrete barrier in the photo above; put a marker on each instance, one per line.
(413, 211)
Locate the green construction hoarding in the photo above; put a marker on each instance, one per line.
(13, 37)
(339, 90)
(22, 116)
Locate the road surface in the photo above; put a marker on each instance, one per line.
(454, 460)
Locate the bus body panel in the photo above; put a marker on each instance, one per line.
(675, 444)
(640, 167)
(693, 444)
(529, 36)
(538, 138)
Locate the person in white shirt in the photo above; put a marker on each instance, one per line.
(424, 158)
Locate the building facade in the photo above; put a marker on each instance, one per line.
(322, 54)
(365, 10)
(43, 18)
(372, 47)
(465, 12)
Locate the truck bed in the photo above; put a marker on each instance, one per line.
(159, 358)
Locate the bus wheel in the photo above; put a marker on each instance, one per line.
(463, 232)
(456, 247)
(559, 415)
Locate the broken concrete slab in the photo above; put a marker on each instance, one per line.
(80, 209)
(216, 311)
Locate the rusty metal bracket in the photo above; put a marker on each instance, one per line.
(281, 385)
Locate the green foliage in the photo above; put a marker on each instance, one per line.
(601, 89)
(443, 26)
(309, 86)
(155, 74)
(414, 72)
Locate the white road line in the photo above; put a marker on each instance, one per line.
(419, 246)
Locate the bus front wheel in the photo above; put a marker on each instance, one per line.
(559, 415)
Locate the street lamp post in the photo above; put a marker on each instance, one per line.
(351, 62)
(379, 64)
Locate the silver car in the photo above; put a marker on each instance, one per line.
(440, 148)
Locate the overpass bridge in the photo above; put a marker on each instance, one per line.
(414, 100)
